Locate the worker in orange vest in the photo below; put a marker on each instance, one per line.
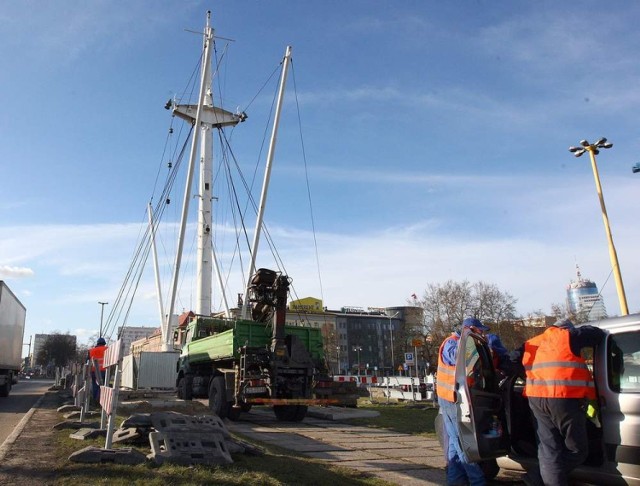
(459, 469)
(97, 353)
(558, 385)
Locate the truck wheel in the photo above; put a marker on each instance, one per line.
(218, 397)
(233, 413)
(290, 413)
(185, 387)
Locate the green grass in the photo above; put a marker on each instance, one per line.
(277, 467)
(405, 417)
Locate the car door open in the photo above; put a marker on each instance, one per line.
(480, 406)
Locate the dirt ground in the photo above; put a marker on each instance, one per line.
(32, 458)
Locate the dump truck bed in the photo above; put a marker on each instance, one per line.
(226, 337)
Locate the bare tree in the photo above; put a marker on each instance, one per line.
(491, 304)
(446, 305)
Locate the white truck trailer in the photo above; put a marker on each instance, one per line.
(12, 318)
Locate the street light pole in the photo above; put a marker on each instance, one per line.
(358, 349)
(101, 316)
(338, 358)
(593, 151)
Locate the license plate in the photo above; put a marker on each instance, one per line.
(255, 389)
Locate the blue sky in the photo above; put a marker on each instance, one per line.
(435, 137)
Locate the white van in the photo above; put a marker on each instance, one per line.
(614, 442)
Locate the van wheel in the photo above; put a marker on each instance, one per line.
(490, 468)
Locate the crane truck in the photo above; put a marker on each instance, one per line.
(237, 363)
(12, 320)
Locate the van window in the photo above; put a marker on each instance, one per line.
(623, 352)
(478, 366)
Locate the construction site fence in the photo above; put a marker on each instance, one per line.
(397, 387)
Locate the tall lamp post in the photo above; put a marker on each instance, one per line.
(338, 358)
(593, 149)
(358, 349)
(391, 334)
(101, 316)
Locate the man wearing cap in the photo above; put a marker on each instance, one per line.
(97, 353)
(459, 470)
(558, 382)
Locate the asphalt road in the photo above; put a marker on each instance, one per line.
(22, 397)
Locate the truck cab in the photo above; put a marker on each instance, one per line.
(614, 430)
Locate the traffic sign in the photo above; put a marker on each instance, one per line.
(408, 358)
(416, 342)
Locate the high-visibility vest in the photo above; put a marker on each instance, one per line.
(552, 370)
(446, 375)
(97, 353)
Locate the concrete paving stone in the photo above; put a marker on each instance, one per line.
(385, 464)
(344, 456)
(415, 477)
(309, 447)
(405, 453)
(428, 460)
(372, 445)
(417, 439)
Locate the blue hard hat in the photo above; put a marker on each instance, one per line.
(100, 342)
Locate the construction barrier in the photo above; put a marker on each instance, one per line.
(108, 394)
(397, 387)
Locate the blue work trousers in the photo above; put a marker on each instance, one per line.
(459, 470)
(561, 430)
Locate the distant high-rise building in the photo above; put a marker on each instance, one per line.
(584, 300)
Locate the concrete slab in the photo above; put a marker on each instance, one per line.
(384, 464)
(94, 454)
(88, 433)
(415, 477)
(373, 445)
(340, 413)
(344, 456)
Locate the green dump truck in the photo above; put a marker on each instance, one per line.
(239, 363)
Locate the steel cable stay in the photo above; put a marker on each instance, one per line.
(141, 252)
(129, 286)
(121, 309)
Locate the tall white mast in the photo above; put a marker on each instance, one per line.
(204, 116)
(267, 177)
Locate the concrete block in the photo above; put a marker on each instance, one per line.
(186, 448)
(87, 433)
(92, 454)
(68, 408)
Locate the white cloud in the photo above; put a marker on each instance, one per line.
(17, 272)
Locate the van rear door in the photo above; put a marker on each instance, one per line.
(480, 406)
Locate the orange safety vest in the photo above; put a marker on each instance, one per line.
(552, 370)
(446, 375)
(97, 353)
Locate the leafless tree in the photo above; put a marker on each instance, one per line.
(446, 305)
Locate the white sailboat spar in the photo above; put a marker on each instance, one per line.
(205, 117)
(201, 118)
